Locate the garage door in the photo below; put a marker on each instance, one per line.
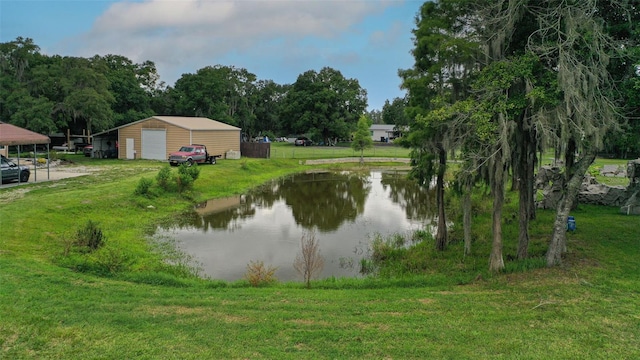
(154, 144)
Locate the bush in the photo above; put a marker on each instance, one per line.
(110, 260)
(181, 182)
(89, 238)
(164, 178)
(192, 171)
(184, 182)
(258, 274)
(397, 255)
(143, 187)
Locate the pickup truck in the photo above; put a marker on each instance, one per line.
(192, 154)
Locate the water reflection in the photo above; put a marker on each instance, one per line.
(345, 209)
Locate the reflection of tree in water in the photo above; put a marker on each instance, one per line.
(228, 218)
(326, 200)
(417, 201)
(318, 200)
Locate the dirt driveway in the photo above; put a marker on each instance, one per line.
(55, 172)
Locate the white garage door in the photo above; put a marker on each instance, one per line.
(154, 144)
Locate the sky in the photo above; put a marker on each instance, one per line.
(366, 40)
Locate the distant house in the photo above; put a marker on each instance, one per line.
(155, 137)
(382, 132)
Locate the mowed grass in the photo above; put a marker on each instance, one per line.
(587, 309)
(283, 150)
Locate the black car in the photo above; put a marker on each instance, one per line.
(303, 141)
(12, 172)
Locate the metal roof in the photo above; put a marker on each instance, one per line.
(15, 135)
(195, 123)
(185, 122)
(385, 127)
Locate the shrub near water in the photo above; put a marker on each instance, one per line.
(260, 274)
(186, 177)
(309, 262)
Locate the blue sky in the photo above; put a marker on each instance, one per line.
(368, 40)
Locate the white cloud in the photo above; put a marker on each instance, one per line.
(388, 37)
(195, 33)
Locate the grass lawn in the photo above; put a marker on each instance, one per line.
(281, 150)
(587, 309)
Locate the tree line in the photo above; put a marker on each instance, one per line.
(49, 94)
(500, 82)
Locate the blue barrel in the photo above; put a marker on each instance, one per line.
(571, 223)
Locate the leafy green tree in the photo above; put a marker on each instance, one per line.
(32, 113)
(375, 116)
(552, 32)
(16, 60)
(201, 94)
(268, 107)
(324, 104)
(131, 101)
(445, 56)
(586, 112)
(17, 56)
(87, 99)
(362, 137)
(623, 25)
(395, 112)
(218, 92)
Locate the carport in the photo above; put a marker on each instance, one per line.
(11, 135)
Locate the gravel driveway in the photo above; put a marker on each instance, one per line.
(55, 172)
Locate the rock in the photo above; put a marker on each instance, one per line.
(600, 194)
(610, 170)
(550, 180)
(632, 206)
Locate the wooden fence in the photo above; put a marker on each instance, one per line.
(255, 150)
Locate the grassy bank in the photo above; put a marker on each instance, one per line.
(289, 151)
(586, 309)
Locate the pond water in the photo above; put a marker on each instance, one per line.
(344, 210)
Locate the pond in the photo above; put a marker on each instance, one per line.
(343, 210)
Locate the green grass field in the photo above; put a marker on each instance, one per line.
(587, 309)
(290, 151)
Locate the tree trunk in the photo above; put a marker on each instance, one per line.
(516, 175)
(496, 262)
(531, 186)
(466, 217)
(558, 243)
(526, 171)
(523, 222)
(441, 233)
(570, 159)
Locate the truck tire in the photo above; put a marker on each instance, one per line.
(189, 162)
(212, 160)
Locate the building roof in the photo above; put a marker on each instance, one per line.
(185, 122)
(195, 123)
(384, 127)
(15, 135)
